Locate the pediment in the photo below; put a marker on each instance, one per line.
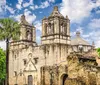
(30, 67)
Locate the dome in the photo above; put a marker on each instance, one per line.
(56, 13)
(78, 40)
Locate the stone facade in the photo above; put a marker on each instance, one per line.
(48, 63)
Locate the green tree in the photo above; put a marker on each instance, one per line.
(98, 50)
(2, 66)
(9, 29)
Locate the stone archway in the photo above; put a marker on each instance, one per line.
(63, 79)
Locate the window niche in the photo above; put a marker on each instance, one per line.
(15, 73)
(29, 35)
(36, 60)
(15, 56)
(63, 28)
(24, 61)
(52, 28)
(49, 28)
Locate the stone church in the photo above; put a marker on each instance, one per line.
(57, 61)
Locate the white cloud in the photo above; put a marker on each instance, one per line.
(30, 4)
(20, 1)
(38, 25)
(18, 6)
(51, 1)
(94, 35)
(32, 7)
(29, 16)
(38, 39)
(26, 4)
(44, 4)
(91, 36)
(98, 12)
(40, 12)
(18, 17)
(95, 23)
(79, 29)
(36, 7)
(2, 6)
(11, 10)
(87, 35)
(77, 10)
(97, 43)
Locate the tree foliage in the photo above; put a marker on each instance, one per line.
(9, 29)
(98, 50)
(2, 66)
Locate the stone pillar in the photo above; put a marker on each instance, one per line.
(44, 27)
(34, 34)
(68, 27)
(50, 59)
(57, 54)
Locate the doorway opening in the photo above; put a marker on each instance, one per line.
(63, 79)
(30, 80)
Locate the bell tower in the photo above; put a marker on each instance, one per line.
(56, 37)
(56, 28)
(28, 32)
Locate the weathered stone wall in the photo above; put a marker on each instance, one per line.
(51, 75)
(83, 70)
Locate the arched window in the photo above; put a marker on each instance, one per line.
(62, 28)
(49, 28)
(65, 29)
(80, 47)
(52, 28)
(29, 35)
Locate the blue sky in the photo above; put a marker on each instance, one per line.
(84, 15)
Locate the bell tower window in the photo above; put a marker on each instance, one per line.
(49, 28)
(62, 28)
(29, 35)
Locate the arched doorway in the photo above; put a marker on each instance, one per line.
(30, 80)
(63, 78)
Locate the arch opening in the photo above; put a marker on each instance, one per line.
(63, 79)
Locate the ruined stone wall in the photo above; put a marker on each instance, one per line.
(51, 75)
(83, 70)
